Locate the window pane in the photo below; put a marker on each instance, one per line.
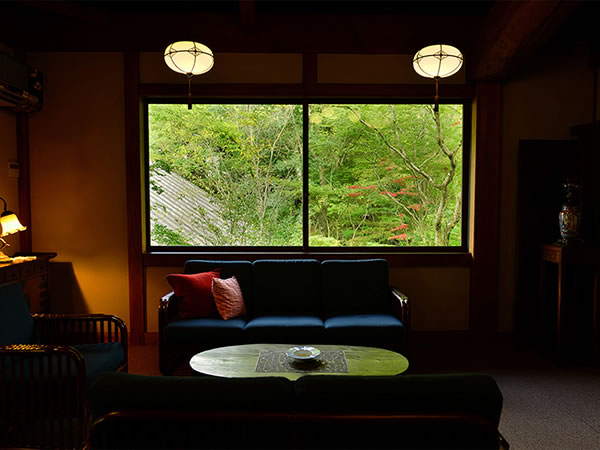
(385, 175)
(225, 175)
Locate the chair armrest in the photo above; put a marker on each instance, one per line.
(401, 306)
(43, 384)
(73, 329)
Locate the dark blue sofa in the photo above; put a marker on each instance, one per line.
(316, 411)
(301, 301)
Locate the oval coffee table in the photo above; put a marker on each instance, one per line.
(267, 360)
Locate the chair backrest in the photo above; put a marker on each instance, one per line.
(16, 323)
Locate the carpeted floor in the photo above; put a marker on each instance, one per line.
(546, 407)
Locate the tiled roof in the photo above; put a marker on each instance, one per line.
(179, 207)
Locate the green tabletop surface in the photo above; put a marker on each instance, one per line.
(240, 361)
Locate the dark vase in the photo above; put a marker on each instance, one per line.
(569, 217)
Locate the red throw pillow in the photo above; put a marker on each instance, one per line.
(196, 295)
(228, 298)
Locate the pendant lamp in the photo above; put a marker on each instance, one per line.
(189, 58)
(437, 61)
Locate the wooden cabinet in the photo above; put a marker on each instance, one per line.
(33, 275)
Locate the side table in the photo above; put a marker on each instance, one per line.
(569, 259)
(33, 276)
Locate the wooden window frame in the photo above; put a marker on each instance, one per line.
(305, 249)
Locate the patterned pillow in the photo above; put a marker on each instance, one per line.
(228, 297)
(195, 291)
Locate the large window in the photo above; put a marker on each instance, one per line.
(306, 176)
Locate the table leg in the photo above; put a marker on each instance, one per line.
(541, 325)
(561, 312)
(595, 317)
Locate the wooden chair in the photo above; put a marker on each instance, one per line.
(46, 363)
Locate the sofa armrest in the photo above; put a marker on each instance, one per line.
(401, 306)
(167, 312)
(167, 309)
(73, 329)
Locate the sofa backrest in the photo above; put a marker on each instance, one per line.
(16, 323)
(355, 286)
(474, 394)
(306, 286)
(290, 286)
(119, 391)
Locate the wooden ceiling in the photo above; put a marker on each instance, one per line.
(493, 35)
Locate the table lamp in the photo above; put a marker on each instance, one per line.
(9, 224)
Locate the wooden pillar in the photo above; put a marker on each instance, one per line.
(24, 181)
(485, 165)
(134, 198)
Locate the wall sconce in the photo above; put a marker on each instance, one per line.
(437, 61)
(189, 58)
(9, 224)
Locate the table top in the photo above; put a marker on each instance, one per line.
(241, 361)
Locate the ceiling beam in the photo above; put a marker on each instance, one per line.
(247, 30)
(511, 30)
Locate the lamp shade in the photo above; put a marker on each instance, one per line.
(437, 61)
(190, 58)
(10, 224)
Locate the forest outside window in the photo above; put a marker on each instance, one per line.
(310, 176)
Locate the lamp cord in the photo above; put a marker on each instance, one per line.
(437, 96)
(189, 75)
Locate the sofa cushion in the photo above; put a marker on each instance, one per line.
(16, 323)
(286, 286)
(122, 391)
(476, 394)
(364, 329)
(195, 291)
(355, 286)
(99, 358)
(293, 329)
(228, 298)
(205, 330)
(242, 270)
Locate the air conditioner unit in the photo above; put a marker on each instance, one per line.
(20, 86)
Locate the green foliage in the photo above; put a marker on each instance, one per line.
(247, 158)
(164, 236)
(379, 174)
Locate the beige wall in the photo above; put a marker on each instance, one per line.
(8, 185)
(78, 203)
(545, 98)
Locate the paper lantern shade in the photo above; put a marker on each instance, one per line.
(190, 58)
(437, 61)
